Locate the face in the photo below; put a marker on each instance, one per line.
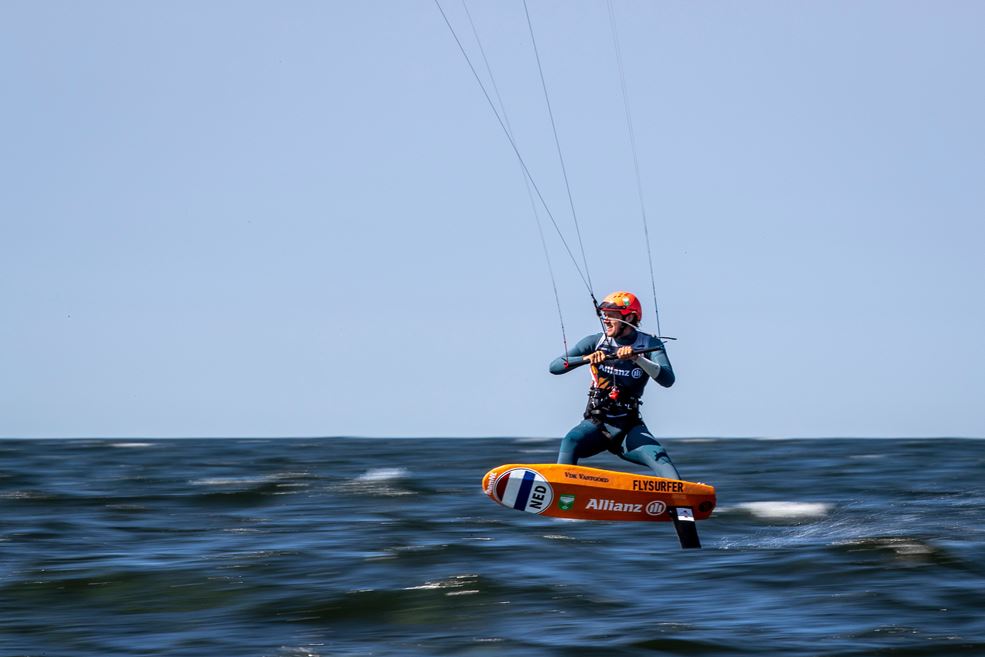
(613, 322)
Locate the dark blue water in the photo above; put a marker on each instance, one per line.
(388, 547)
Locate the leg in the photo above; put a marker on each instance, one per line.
(641, 447)
(583, 441)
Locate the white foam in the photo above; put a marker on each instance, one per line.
(299, 651)
(902, 545)
(232, 481)
(383, 474)
(131, 445)
(253, 480)
(23, 495)
(786, 510)
(453, 582)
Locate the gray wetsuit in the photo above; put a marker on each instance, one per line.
(612, 418)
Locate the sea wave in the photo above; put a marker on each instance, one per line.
(383, 474)
(778, 510)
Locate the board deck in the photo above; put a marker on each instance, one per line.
(583, 493)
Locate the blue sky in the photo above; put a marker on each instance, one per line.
(264, 219)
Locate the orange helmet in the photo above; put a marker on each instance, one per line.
(624, 302)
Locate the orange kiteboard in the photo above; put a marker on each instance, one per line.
(582, 493)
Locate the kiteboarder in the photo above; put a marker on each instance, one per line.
(612, 418)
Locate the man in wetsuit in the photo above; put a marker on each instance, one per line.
(612, 419)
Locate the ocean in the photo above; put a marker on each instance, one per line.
(388, 547)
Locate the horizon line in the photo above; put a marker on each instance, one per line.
(483, 437)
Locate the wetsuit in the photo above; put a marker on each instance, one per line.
(612, 418)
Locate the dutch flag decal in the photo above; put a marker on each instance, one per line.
(524, 490)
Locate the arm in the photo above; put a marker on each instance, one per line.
(573, 358)
(657, 365)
